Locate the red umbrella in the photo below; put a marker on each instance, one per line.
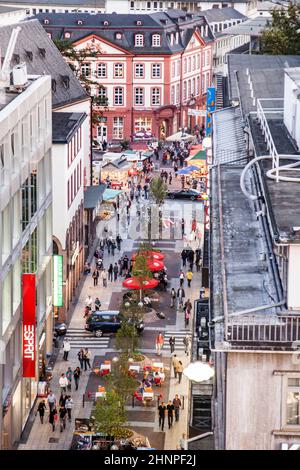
(155, 265)
(151, 254)
(134, 284)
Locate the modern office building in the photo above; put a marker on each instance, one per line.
(25, 239)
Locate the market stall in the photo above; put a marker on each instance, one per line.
(110, 198)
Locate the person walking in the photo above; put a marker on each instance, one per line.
(170, 178)
(188, 305)
(161, 413)
(66, 348)
(87, 358)
(69, 406)
(89, 302)
(187, 315)
(184, 257)
(63, 383)
(181, 278)
(41, 410)
(80, 356)
(172, 343)
(180, 297)
(182, 227)
(103, 276)
(189, 276)
(110, 272)
(119, 241)
(187, 344)
(62, 399)
(173, 297)
(175, 363)
(95, 277)
(116, 270)
(159, 342)
(177, 406)
(53, 417)
(179, 370)
(170, 410)
(51, 399)
(182, 443)
(97, 303)
(76, 375)
(62, 418)
(69, 375)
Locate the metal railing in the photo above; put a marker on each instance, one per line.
(283, 329)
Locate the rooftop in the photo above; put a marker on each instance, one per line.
(64, 126)
(7, 96)
(217, 15)
(34, 47)
(253, 27)
(80, 3)
(93, 196)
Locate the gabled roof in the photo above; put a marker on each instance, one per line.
(217, 15)
(46, 60)
(64, 126)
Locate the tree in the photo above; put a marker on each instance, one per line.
(158, 190)
(141, 271)
(282, 35)
(109, 413)
(127, 339)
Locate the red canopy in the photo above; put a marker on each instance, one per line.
(155, 255)
(134, 284)
(155, 265)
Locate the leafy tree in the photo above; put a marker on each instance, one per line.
(282, 35)
(127, 339)
(109, 413)
(158, 190)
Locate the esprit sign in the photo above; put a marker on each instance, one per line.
(29, 325)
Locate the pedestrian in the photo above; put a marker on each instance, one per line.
(182, 443)
(189, 277)
(181, 278)
(63, 383)
(159, 342)
(95, 277)
(41, 410)
(62, 418)
(187, 344)
(51, 399)
(87, 358)
(161, 413)
(113, 247)
(69, 406)
(187, 318)
(180, 296)
(116, 270)
(104, 277)
(66, 348)
(173, 297)
(183, 257)
(89, 302)
(125, 263)
(69, 375)
(110, 272)
(170, 410)
(188, 305)
(182, 227)
(177, 406)
(175, 363)
(97, 303)
(62, 399)
(80, 356)
(179, 370)
(170, 178)
(53, 417)
(119, 241)
(76, 375)
(172, 343)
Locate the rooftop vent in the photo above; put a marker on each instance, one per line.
(139, 23)
(46, 21)
(53, 85)
(16, 58)
(65, 80)
(105, 23)
(67, 35)
(119, 35)
(29, 54)
(42, 52)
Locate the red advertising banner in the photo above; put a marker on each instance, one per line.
(29, 325)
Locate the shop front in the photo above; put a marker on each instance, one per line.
(166, 118)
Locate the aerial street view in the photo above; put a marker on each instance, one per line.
(149, 228)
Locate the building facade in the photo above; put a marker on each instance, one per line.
(149, 69)
(25, 241)
(67, 166)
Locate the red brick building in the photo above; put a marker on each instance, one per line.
(151, 68)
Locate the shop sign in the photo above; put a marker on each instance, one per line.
(196, 112)
(29, 325)
(57, 280)
(210, 107)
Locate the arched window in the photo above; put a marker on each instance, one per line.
(139, 40)
(156, 38)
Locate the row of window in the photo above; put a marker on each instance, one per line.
(74, 183)
(139, 70)
(191, 64)
(139, 96)
(74, 146)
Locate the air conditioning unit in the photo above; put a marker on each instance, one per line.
(19, 73)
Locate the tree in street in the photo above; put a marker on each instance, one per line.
(109, 413)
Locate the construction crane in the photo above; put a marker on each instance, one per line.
(5, 67)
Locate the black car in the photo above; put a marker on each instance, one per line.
(60, 329)
(191, 194)
(107, 321)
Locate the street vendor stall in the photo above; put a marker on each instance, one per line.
(110, 196)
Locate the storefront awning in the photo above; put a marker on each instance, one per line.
(93, 196)
(111, 194)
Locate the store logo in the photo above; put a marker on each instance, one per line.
(29, 335)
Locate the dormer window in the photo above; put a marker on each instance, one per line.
(46, 21)
(42, 52)
(139, 40)
(119, 36)
(156, 40)
(53, 85)
(105, 23)
(139, 23)
(29, 55)
(67, 35)
(79, 22)
(65, 80)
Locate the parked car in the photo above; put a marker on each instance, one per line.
(107, 321)
(191, 194)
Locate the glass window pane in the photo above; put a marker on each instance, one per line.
(293, 408)
(294, 382)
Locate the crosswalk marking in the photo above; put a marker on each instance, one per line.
(80, 338)
(179, 335)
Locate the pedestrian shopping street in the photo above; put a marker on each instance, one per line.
(142, 418)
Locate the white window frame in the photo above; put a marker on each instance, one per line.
(118, 127)
(118, 70)
(156, 70)
(101, 67)
(286, 389)
(139, 96)
(139, 70)
(85, 66)
(118, 97)
(156, 40)
(139, 40)
(155, 96)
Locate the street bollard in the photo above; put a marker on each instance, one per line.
(83, 400)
